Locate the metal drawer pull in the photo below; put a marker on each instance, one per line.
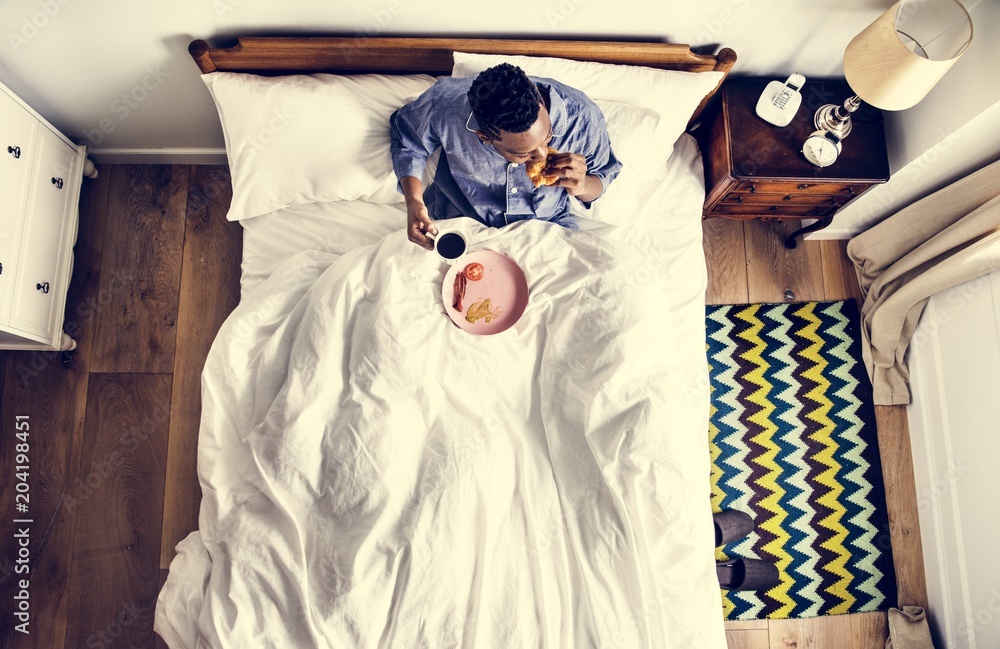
(57, 182)
(44, 288)
(787, 197)
(773, 208)
(803, 186)
(739, 200)
(753, 189)
(1, 269)
(14, 151)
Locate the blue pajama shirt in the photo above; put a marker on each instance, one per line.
(472, 178)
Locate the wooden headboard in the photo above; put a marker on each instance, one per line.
(345, 55)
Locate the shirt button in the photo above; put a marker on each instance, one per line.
(513, 190)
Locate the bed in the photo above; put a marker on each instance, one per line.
(373, 476)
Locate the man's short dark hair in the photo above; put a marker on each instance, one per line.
(504, 98)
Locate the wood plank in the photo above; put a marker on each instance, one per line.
(158, 641)
(210, 290)
(140, 277)
(902, 505)
(725, 256)
(115, 572)
(870, 629)
(747, 639)
(776, 274)
(54, 397)
(839, 280)
(824, 632)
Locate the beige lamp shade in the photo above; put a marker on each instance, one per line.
(894, 62)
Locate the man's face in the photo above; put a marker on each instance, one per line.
(531, 145)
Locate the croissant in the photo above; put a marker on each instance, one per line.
(534, 170)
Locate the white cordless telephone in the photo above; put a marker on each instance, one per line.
(779, 101)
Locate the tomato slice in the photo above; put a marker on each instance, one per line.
(474, 272)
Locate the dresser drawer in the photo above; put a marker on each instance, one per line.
(849, 190)
(17, 133)
(772, 211)
(738, 198)
(39, 286)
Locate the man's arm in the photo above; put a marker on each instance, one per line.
(412, 141)
(586, 173)
(418, 221)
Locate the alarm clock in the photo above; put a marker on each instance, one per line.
(821, 148)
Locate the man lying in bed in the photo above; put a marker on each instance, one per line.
(488, 129)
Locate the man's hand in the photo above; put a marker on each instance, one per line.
(571, 169)
(418, 223)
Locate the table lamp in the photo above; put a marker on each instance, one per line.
(894, 62)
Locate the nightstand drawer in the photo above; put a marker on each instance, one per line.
(850, 190)
(772, 211)
(737, 198)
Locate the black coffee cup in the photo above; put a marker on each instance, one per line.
(450, 244)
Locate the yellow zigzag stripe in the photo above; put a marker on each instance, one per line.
(714, 450)
(821, 415)
(765, 438)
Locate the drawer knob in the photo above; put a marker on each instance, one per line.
(850, 191)
(753, 189)
(787, 197)
(773, 208)
(58, 182)
(44, 288)
(14, 151)
(803, 186)
(739, 199)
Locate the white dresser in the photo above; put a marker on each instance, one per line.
(40, 176)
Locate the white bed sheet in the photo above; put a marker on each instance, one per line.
(196, 607)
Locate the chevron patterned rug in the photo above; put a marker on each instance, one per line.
(793, 444)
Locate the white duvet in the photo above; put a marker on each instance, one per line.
(375, 477)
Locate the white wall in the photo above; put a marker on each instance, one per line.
(955, 378)
(125, 62)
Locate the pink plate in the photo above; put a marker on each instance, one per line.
(503, 284)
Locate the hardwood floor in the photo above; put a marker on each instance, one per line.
(114, 435)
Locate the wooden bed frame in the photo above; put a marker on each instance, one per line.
(344, 55)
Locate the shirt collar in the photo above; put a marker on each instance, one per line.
(557, 107)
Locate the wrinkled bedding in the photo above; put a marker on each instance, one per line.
(373, 476)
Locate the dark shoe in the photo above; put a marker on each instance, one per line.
(747, 574)
(731, 525)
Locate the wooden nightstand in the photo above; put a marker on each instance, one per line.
(756, 170)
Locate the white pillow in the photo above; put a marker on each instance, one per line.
(630, 128)
(674, 95)
(309, 138)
